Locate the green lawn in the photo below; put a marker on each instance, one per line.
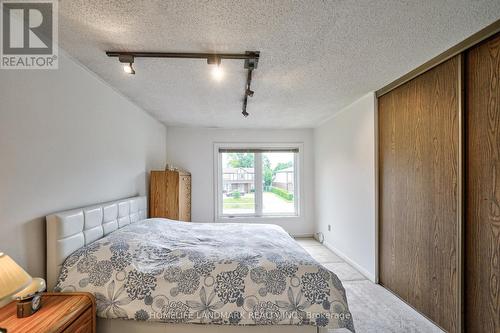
(247, 201)
(244, 199)
(244, 202)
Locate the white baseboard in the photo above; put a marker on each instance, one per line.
(302, 235)
(363, 271)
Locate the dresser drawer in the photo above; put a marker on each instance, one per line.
(81, 325)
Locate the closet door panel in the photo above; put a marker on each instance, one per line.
(482, 230)
(419, 195)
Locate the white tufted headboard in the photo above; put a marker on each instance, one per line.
(70, 230)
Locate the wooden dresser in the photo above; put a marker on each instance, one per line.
(170, 195)
(60, 313)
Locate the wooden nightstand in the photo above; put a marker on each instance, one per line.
(60, 312)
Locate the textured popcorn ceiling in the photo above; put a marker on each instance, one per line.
(316, 56)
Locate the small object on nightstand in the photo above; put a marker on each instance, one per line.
(29, 298)
(27, 307)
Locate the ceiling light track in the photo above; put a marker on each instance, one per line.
(250, 55)
(251, 60)
(248, 93)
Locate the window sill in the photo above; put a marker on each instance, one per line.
(257, 219)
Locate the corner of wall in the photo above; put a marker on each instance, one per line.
(345, 162)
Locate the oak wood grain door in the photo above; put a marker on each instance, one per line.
(419, 199)
(482, 229)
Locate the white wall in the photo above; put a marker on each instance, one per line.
(66, 140)
(193, 149)
(345, 184)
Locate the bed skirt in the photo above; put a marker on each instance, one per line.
(133, 326)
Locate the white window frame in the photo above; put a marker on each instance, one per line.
(218, 181)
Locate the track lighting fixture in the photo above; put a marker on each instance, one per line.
(244, 112)
(250, 65)
(128, 68)
(127, 61)
(217, 72)
(214, 59)
(251, 60)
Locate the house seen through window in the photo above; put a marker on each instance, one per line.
(258, 182)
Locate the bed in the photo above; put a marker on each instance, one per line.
(166, 276)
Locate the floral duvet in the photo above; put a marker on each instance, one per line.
(217, 273)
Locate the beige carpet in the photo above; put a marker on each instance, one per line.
(373, 308)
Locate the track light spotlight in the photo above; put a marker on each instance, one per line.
(127, 61)
(128, 68)
(214, 60)
(244, 109)
(217, 73)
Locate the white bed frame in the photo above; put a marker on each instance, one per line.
(70, 230)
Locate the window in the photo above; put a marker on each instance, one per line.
(256, 181)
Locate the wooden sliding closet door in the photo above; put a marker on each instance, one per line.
(482, 241)
(419, 192)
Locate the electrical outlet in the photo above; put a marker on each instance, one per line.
(329, 227)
